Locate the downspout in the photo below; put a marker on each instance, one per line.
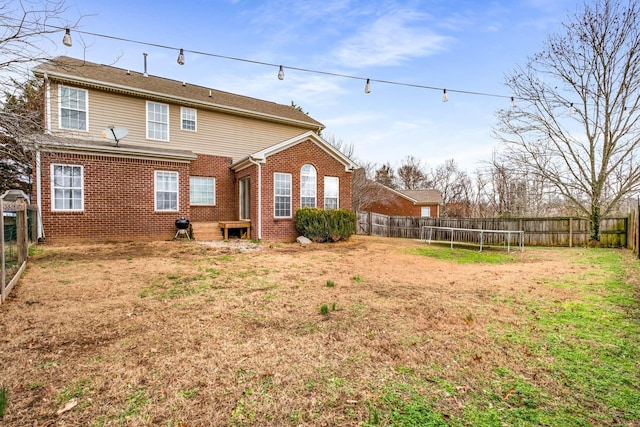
(47, 109)
(47, 103)
(39, 195)
(259, 196)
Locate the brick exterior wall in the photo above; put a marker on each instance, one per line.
(401, 207)
(118, 200)
(291, 161)
(119, 195)
(226, 206)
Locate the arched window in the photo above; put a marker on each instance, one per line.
(308, 186)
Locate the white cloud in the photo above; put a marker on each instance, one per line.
(390, 40)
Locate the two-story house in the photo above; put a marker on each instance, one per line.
(125, 154)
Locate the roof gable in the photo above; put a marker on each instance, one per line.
(262, 155)
(422, 196)
(418, 197)
(78, 72)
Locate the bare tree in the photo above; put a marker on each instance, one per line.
(578, 120)
(455, 186)
(348, 149)
(30, 30)
(412, 174)
(365, 191)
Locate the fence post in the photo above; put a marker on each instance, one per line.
(570, 232)
(3, 277)
(33, 233)
(22, 237)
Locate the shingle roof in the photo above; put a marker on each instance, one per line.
(423, 196)
(80, 72)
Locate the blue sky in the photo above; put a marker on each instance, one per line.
(460, 45)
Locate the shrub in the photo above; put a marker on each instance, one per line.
(322, 225)
(3, 400)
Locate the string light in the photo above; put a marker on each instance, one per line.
(306, 70)
(180, 60)
(66, 39)
(513, 103)
(572, 110)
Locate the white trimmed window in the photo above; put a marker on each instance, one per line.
(331, 195)
(189, 118)
(202, 191)
(157, 121)
(425, 211)
(67, 189)
(282, 195)
(166, 191)
(308, 186)
(73, 108)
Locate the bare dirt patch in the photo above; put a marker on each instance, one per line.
(184, 333)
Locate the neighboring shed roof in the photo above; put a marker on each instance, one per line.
(79, 72)
(13, 195)
(422, 196)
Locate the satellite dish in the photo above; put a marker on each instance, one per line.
(115, 134)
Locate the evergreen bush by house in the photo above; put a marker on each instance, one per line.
(322, 225)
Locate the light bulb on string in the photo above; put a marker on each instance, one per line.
(513, 103)
(66, 39)
(281, 73)
(180, 59)
(68, 42)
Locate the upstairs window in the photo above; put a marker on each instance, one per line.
(308, 186)
(331, 192)
(188, 118)
(157, 121)
(67, 188)
(73, 108)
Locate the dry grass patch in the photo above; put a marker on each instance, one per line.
(180, 333)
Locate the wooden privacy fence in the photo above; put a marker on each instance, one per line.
(634, 230)
(537, 231)
(18, 222)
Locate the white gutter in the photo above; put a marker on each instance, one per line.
(259, 197)
(47, 102)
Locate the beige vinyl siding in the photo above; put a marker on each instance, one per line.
(217, 133)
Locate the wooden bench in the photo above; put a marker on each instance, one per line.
(226, 225)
